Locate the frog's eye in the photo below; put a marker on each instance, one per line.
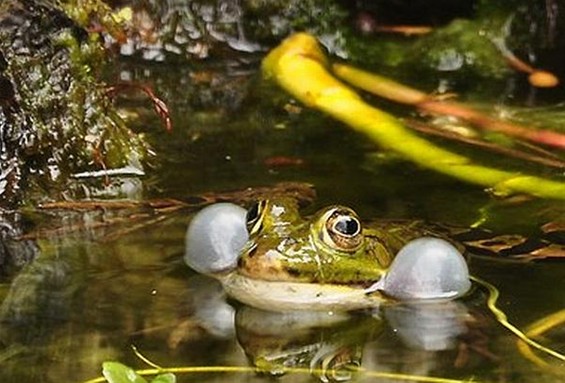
(346, 225)
(254, 216)
(342, 230)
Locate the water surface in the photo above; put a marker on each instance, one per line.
(93, 293)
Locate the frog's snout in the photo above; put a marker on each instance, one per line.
(215, 237)
(427, 268)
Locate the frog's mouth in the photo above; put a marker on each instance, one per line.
(290, 296)
(427, 269)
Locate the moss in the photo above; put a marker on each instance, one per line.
(59, 119)
(462, 46)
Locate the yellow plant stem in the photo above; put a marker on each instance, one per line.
(380, 85)
(296, 370)
(538, 328)
(236, 369)
(503, 320)
(546, 323)
(387, 88)
(299, 66)
(144, 359)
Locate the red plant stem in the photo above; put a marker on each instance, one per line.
(392, 90)
(546, 137)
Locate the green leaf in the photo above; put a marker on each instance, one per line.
(115, 372)
(165, 378)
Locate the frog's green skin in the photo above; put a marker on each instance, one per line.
(283, 246)
(292, 262)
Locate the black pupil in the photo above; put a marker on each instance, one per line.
(347, 226)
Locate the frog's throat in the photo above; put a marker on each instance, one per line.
(292, 296)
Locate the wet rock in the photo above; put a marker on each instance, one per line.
(56, 118)
(179, 29)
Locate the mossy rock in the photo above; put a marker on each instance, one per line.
(56, 117)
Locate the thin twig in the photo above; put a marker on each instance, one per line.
(159, 105)
(416, 125)
(392, 90)
(503, 320)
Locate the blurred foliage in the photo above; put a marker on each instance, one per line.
(462, 35)
(59, 119)
(299, 66)
(461, 48)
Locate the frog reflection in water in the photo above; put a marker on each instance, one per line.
(269, 257)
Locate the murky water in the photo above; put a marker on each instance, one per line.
(92, 294)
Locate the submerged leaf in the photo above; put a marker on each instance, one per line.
(165, 378)
(115, 372)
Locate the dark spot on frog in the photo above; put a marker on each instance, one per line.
(252, 215)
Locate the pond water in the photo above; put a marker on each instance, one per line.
(93, 293)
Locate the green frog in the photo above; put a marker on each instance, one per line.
(333, 246)
(272, 258)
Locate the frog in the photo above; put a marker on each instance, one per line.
(271, 257)
(332, 247)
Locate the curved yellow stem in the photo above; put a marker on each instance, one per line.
(387, 88)
(299, 66)
(503, 320)
(538, 328)
(237, 369)
(546, 323)
(145, 359)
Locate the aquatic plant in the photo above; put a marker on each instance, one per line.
(299, 66)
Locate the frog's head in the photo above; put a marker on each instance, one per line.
(278, 217)
(333, 229)
(329, 247)
(272, 242)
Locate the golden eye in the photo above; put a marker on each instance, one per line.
(254, 216)
(342, 230)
